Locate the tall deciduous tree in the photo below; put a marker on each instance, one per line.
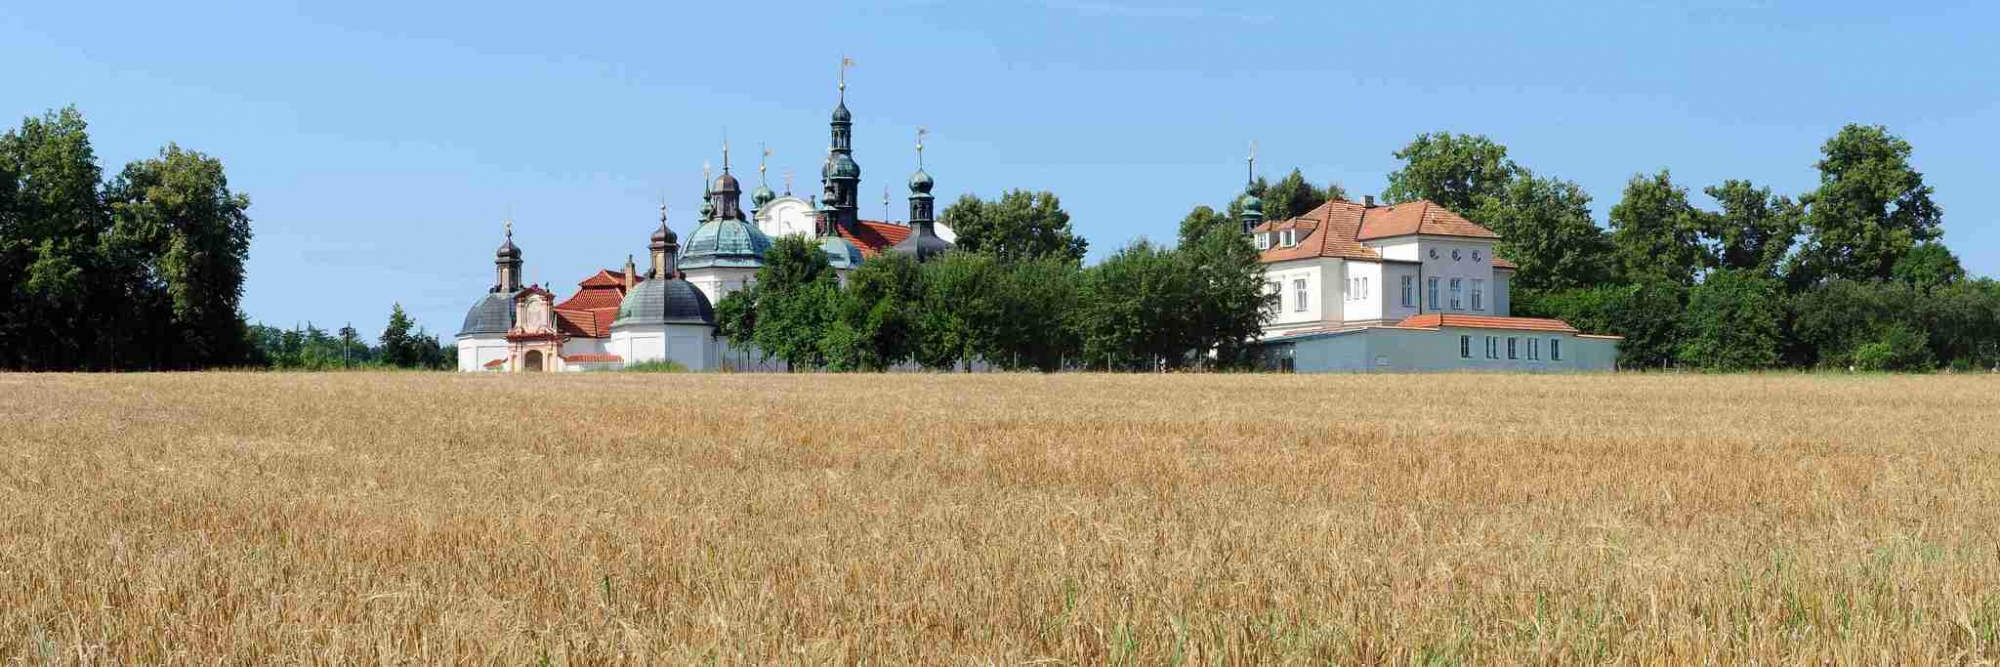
(1658, 233)
(1753, 231)
(1871, 208)
(179, 204)
(1228, 301)
(401, 346)
(959, 310)
(1545, 228)
(1033, 306)
(1459, 171)
(1293, 196)
(875, 326)
(796, 292)
(1020, 225)
(1133, 310)
(49, 235)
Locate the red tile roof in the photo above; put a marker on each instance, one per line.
(586, 358)
(496, 363)
(1435, 320)
(1338, 227)
(873, 237)
(590, 311)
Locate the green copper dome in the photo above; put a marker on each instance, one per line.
(762, 196)
(920, 182)
(1251, 204)
(841, 165)
(840, 253)
(724, 243)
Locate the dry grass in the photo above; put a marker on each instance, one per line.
(998, 519)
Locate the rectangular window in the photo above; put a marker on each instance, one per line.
(1299, 286)
(1434, 294)
(1364, 287)
(1465, 347)
(1478, 294)
(1263, 242)
(1510, 348)
(1410, 292)
(1492, 347)
(1275, 291)
(1555, 349)
(1457, 294)
(1534, 349)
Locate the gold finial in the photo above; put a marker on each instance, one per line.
(763, 159)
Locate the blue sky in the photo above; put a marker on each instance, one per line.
(383, 142)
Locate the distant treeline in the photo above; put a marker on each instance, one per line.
(145, 271)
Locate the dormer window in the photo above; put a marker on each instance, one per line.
(1264, 241)
(1291, 237)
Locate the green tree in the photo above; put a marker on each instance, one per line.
(1133, 310)
(179, 206)
(1032, 306)
(1229, 303)
(1830, 321)
(1458, 171)
(1545, 228)
(1292, 196)
(1870, 209)
(1658, 233)
(1648, 315)
(736, 320)
(1732, 322)
(1020, 225)
(876, 323)
(49, 236)
(796, 293)
(400, 347)
(1754, 230)
(955, 324)
(1927, 266)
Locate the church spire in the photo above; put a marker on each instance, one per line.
(1253, 208)
(763, 194)
(664, 247)
(923, 241)
(728, 195)
(841, 173)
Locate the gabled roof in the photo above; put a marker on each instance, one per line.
(874, 237)
(1338, 228)
(590, 311)
(1436, 320)
(496, 363)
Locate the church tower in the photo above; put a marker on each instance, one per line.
(923, 241)
(664, 246)
(507, 264)
(841, 174)
(728, 193)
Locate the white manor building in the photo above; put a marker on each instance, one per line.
(1402, 287)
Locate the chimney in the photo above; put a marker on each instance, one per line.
(1368, 201)
(630, 269)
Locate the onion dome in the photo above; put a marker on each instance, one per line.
(840, 112)
(664, 235)
(840, 165)
(725, 242)
(761, 196)
(726, 183)
(492, 314)
(1251, 204)
(920, 182)
(840, 252)
(664, 301)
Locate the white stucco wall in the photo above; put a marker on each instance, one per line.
(690, 345)
(1361, 292)
(1318, 307)
(474, 352)
(1390, 349)
(1503, 292)
(785, 215)
(718, 282)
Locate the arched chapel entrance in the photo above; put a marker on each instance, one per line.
(532, 361)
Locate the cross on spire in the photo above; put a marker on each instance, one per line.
(725, 151)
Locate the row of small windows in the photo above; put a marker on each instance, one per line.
(1533, 348)
(1457, 293)
(1357, 289)
(1286, 238)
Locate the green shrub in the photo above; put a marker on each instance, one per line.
(661, 366)
(1896, 349)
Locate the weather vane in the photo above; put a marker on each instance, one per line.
(1253, 161)
(845, 62)
(763, 160)
(921, 133)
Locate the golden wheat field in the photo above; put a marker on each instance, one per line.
(998, 519)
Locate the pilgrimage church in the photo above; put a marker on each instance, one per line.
(667, 313)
